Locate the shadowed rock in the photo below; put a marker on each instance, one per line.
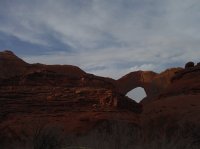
(189, 65)
(153, 83)
(68, 97)
(57, 82)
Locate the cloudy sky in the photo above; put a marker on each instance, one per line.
(104, 37)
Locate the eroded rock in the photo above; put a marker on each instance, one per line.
(189, 65)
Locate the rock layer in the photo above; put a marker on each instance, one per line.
(68, 96)
(57, 94)
(154, 84)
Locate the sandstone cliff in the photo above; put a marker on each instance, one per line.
(65, 95)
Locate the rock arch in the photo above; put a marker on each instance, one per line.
(152, 82)
(134, 80)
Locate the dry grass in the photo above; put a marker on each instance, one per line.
(113, 135)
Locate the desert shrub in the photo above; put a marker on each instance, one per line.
(46, 137)
(167, 133)
(2, 141)
(108, 135)
(160, 133)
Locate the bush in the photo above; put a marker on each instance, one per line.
(47, 138)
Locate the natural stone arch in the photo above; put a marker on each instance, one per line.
(135, 79)
(153, 83)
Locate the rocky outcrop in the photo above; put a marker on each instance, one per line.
(170, 82)
(189, 65)
(133, 80)
(11, 65)
(153, 83)
(54, 82)
(17, 72)
(186, 81)
(65, 95)
(178, 103)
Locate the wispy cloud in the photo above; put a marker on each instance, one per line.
(105, 37)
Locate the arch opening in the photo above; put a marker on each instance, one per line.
(137, 94)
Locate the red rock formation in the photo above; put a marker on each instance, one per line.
(11, 65)
(178, 103)
(66, 95)
(153, 83)
(57, 93)
(189, 65)
(184, 82)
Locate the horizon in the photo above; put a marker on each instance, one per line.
(107, 38)
(136, 94)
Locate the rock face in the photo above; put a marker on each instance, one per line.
(154, 84)
(66, 95)
(189, 65)
(57, 93)
(11, 65)
(178, 103)
(184, 81)
(53, 82)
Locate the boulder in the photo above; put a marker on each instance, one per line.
(189, 65)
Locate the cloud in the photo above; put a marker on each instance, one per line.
(104, 37)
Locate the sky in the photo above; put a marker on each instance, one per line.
(105, 37)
